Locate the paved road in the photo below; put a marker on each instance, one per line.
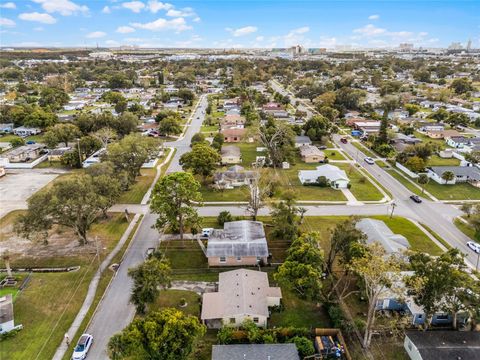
(436, 215)
(115, 312)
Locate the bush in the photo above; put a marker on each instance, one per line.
(15, 142)
(225, 335)
(360, 324)
(304, 346)
(362, 180)
(224, 217)
(322, 181)
(336, 315)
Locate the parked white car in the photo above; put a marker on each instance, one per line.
(474, 246)
(206, 232)
(83, 345)
(369, 160)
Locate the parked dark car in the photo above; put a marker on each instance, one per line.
(344, 140)
(416, 199)
(321, 147)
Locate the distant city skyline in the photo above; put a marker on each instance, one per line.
(238, 24)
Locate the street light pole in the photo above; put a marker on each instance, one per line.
(393, 209)
(79, 153)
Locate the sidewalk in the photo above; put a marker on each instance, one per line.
(92, 288)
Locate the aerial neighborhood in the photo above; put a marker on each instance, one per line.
(237, 202)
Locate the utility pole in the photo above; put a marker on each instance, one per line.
(393, 208)
(79, 153)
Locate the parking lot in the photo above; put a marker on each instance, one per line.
(18, 185)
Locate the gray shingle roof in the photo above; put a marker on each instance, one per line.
(238, 238)
(378, 231)
(255, 352)
(471, 172)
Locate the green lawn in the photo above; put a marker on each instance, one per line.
(363, 149)
(137, 191)
(438, 161)
(467, 230)
(50, 164)
(416, 237)
(334, 155)
(172, 299)
(361, 188)
(238, 194)
(425, 140)
(406, 183)
(249, 153)
(462, 191)
(184, 255)
(298, 313)
(209, 129)
(46, 308)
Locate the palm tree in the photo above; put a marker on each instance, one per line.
(448, 176)
(423, 180)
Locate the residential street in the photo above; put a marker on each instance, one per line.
(115, 312)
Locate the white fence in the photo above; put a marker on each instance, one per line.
(406, 171)
(5, 162)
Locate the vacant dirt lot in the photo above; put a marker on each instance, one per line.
(18, 185)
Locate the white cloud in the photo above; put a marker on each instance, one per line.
(370, 30)
(38, 28)
(296, 36)
(133, 40)
(28, 44)
(242, 31)
(135, 6)
(185, 12)
(63, 7)
(125, 29)
(8, 5)
(160, 24)
(112, 43)
(7, 22)
(259, 38)
(106, 10)
(95, 35)
(196, 19)
(374, 17)
(327, 42)
(154, 6)
(39, 17)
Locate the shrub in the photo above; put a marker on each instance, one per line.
(15, 142)
(322, 181)
(225, 335)
(360, 324)
(362, 180)
(304, 346)
(224, 217)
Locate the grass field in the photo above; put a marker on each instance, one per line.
(363, 149)
(137, 191)
(172, 299)
(334, 155)
(361, 188)
(467, 230)
(438, 161)
(416, 237)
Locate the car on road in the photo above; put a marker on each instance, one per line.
(474, 246)
(206, 232)
(369, 160)
(149, 252)
(30, 142)
(83, 345)
(416, 198)
(344, 140)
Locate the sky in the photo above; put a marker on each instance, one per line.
(236, 24)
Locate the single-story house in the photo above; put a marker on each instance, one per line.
(6, 128)
(95, 158)
(457, 142)
(425, 126)
(367, 126)
(235, 176)
(233, 121)
(26, 131)
(442, 345)
(255, 352)
(56, 154)
(6, 314)
(238, 243)
(378, 231)
(233, 135)
(272, 106)
(311, 154)
(242, 294)
(338, 178)
(400, 300)
(231, 154)
(302, 140)
(470, 174)
(25, 153)
(4, 146)
(441, 134)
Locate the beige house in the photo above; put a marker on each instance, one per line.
(56, 154)
(231, 154)
(311, 154)
(25, 153)
(441, 134)
(233, 135)
(239, 243)
(242, 294)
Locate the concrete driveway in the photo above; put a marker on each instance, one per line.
(18, 185)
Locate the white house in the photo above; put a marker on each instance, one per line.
(470, 174)
(95, 158)
(26, 131)
(6, 314)
(337, 178)
(242, 294)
